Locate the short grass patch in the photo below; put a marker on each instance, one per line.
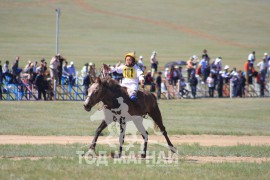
(59, 168)
(201, 116)
(73, 150)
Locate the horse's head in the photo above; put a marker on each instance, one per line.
(105, 71)
(95, 94)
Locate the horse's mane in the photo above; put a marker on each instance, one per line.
(111, 84)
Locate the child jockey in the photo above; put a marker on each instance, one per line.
(132, 75)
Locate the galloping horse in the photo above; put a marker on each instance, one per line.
(108, 91)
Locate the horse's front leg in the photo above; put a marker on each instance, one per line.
(101, 127)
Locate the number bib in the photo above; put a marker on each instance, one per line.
(129, 72)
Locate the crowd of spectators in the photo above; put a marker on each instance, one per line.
(204, 70)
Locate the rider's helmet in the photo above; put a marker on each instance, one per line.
(132, 56)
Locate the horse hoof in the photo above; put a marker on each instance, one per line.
(143, 155)
(115, 156)
(90, 152)
(174, 150)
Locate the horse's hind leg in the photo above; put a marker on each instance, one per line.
(138, 123)
(101, 127)
(122, 135)
(156, 116)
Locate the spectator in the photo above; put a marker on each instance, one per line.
(226, 74)
(35, 67)
(6, 73)
(205, 56)
(72, 73)
(252, 58)
(28, 71)
(263, 67)
(241, 84)
(1, 80)
(158, 83)
(268, 67)
(262, 85)
(148, 80)
(193, 81)
(210, 81)
(246, 70)
(40, 68)
(190, 65)
(117, 76)
(41, 85)
(173, 75)
(84, 71)
(179, 71)
(250, 75)
(65, 73)
(218, 64)
(265, 56)
(87, 83)
(214, 72)
(42, 61)
(60, 60)
(141, 64)
(154, 63)
(167, 74)
(54, 68)
(16, 70)
(235, 84)
(27, 67)
(182, 88)
(220, 84)
(203, 66)
(92, 71)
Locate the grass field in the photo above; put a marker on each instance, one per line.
(201, 116)
(102, 32)
(63, 163)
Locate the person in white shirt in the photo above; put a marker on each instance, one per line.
(263, 67)
(141, 64)
(132, 75)
(72, 72)
(251, 58)
(211, 84)
(84, 70)
(154, 63)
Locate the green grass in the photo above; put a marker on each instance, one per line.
(72, 150)
(201, 116)
(101, 31)
(65, 163)
(59, 168)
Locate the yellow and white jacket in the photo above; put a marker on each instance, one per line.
(132, 76)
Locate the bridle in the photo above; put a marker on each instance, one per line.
(101, 99)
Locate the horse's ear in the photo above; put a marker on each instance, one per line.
(98, 80)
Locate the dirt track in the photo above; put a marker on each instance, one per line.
(204, 140)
